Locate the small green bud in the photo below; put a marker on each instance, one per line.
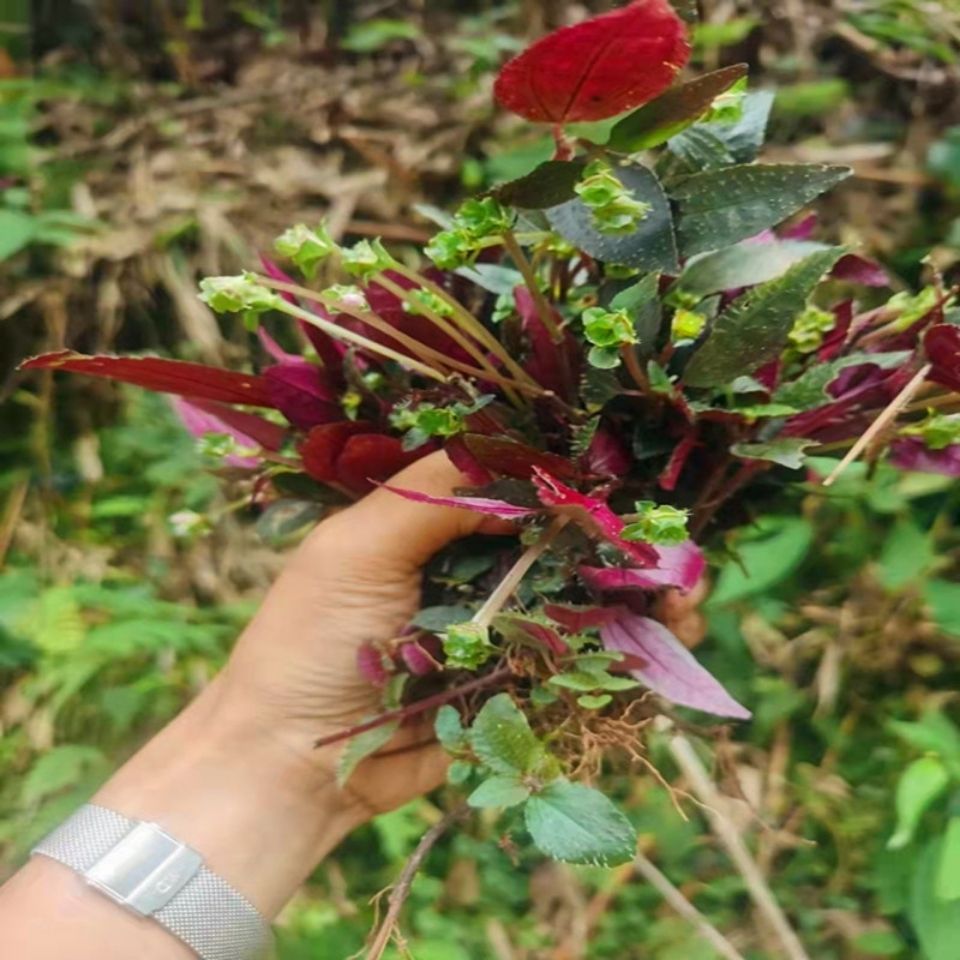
(608, 328)
(450, 249)
(658, 524)
(912, 307)
(426, 420)
(422, 300)
(481, 218)
(348, 296)
(613, 208)
(238, 294)
(307, 248)
(467, 646)
(366, 259)
(687, 325)
(806, 336)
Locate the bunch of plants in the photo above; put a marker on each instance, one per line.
(626, 353)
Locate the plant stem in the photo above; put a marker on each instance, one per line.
(632, 363)
(416, 708)
(685, 908)
(761, 894)
(504, 591)
(468, 322)
(401, 889)
(544, 310)
(886, 417)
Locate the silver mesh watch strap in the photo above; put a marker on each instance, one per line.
(146, 870)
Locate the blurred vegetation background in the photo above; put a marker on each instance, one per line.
(143, 145)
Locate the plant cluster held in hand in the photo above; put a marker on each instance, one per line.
(624, 352)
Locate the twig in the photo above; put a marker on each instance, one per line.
(685, 908)
(544, 310)
(414, 709)
(756, 885)
(495, 602)
(401, 889)
(886, 417)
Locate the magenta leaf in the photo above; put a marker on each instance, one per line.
(607, 455)
(323, 445)
(298, 390)
(592, 514)
(494, 508)
(862, 270)
(370, 665)
(597, 68)
(670, 669)
(680, 567)
(368, 458)
(912, 453)
(576, 619)
(201, 417)
(942, 343)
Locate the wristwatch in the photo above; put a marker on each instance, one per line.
(140, 866)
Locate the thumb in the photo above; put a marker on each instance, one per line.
(384, 529)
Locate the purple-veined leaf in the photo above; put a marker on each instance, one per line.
(680, 566)
(670, 669)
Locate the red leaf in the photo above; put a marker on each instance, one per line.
(912, 453)
(324, 444)
(163, 376)
(512, 459)
(299, 391)
(607, 455)
(942, 343)
(487, 505)
(369, 457)
(206, 416)
(577, 619)
(597, 68)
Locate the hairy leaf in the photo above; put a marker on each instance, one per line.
(810, 388)
(503, 791)
(754, 329)
(744, 137)
(597, 68)
(363, 745)
(652, 246)
(721, 207)
(671, 112)
(502, 739)
(785, 451)
(577, 824)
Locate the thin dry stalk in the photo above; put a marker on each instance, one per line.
(401, 889)
(727, 833)
(886, 417)
(504, 590)
(685, 908)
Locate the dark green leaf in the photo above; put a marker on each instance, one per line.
(549, 185)
(936, 921)
(919, 786)
(659, 120)
(753, 330)
(693, 151)
(285, 518)
(652, 246)
(576, 824)
(745, 136)
(743, 265)
(505, 791)
(437, 619)
(502, 739)
(785, 451)
(361, 746)
(721, 207)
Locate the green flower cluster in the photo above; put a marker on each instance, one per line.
(238, 294)
(306, 247)
(658, 524)
(467, 646)
(476, 221)
(806, 336)
(425, 420)
(607, 331)
(613, 209)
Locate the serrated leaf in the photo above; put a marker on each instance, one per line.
(652, 246)
(743, 265)
(810, 388)
(502, 739)
(693, 151)
(548, 185)
(754, 328)
(721, 207)
(499, 792)
(361, 746)
(785, 451)
(449, 729)
(745, 136)
(920, 784)
(663, 118)
(576, 824)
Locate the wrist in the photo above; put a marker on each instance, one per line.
(257, 809)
